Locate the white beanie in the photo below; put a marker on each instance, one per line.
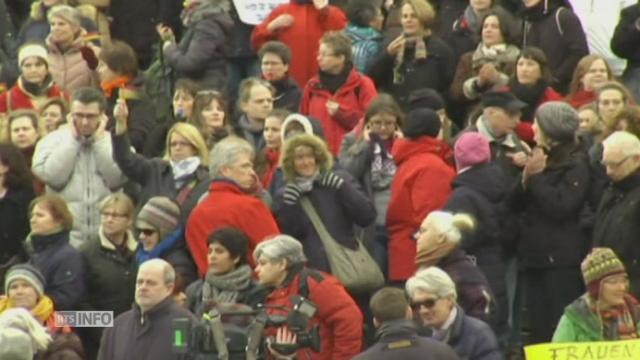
(30, 50)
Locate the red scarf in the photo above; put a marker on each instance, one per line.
(273, 158)
(118, 82)
(623, 317)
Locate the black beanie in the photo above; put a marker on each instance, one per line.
(426, 98)
(421, 122)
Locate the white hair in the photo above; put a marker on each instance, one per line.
(450, 225)
(21, 319)
(624, 141)
(226, 152)
(168, 273)
(281, 247)
(432, 280)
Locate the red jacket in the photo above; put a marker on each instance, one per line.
(227, 205)
(524, 129)
(338, 316)
(303, 36)
(580, 98)
(17, 98)
(422, 184)
(354, 98)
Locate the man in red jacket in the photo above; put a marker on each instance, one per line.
(229, 202)
(300, 25)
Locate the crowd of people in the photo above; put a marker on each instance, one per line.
(425, 179)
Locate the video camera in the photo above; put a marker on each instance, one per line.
(212, 338)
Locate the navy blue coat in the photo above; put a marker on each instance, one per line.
(62, 266)
(472, 339)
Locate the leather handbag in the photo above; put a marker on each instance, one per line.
(356, 269)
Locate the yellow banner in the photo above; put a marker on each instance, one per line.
(603, 350)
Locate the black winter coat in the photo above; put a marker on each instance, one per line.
(155, 176)
(144, 336)
(626, 37)
(202, 53)
(180, 258)
(618, 225)
(141, 118)
(62, 266)
(339, 210)
(398, 339)
(14, 222)
(552, 203)
(288, 94)
(435, 72)
(558, 32)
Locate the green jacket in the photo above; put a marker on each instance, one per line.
(581, 324)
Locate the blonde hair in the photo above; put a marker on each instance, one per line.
(193, 136)
(424, 11)
(450, 225)
(120, 200)
(433, 280)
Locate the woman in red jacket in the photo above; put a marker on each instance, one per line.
(281, 268)
(531, 83)
(422, 184)
(339, 95)
(591, 72)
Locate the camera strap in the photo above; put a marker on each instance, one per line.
(305, 273)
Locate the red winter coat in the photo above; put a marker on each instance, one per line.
(422, 184)
(17, 98)
(337, 314)
(354, 98)
(303, 36)
(227, 205)
(524, 129)
(581, 97)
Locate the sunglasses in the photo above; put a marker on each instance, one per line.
(427, 304)
(145, 232)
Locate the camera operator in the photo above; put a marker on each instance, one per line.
(281, 268)
(229, 277)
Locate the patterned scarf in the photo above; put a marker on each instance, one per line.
(183, 169)
(499, 55)
(383, 168)
(621, 317)
(225, 288)
(419, 54)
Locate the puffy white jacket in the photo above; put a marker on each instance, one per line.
(82, 172)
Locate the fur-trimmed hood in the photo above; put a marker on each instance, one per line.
(324, 158)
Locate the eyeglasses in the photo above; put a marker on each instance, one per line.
(115, 215)
(614, 165)
(381, 124)
(208, 92)
(426, 303)
(145, 232)
(80, 116)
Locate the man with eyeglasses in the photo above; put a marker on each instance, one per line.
(617, 225)
(75, 162)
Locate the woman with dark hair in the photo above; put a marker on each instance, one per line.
(229, 277)
(211, 116)
(366, 155)
(487, 67)
(49, 251)
(120, 79)
(184, 96)
(531, 83)
(16, 193)
(53, 113)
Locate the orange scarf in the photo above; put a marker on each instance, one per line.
(118, 82)
(42, 311)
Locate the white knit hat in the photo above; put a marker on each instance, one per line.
(30, 50)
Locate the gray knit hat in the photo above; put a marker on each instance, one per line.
(162, 213)
(15, 345)
(281, 247)
(27, 273)
(558, 120)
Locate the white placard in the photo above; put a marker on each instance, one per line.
(253, 12)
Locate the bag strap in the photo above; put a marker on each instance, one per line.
(558, 20)
(305, 273)
(322, 231)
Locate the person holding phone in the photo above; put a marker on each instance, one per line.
(366, 155)
(75, 162)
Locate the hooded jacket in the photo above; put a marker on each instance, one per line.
(422, 184)
(354, 97)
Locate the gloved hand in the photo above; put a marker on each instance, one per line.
(292, 194)
(330, 180)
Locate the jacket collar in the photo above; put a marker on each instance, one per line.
(391, 330)
(131, 242)
(507, 140)
(155, 311)
(629, 183)
(40, 242)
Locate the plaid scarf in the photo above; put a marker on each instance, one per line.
(619, 317)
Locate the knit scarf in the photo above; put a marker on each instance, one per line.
(161, 248)
(183, 169)
(431, 252)
(383, 168)
(333, 82)
(530, 94)
(196, 10)
(42, 311)
(419, 50)
(273, 160)
(217, 289)
(119, 82)
(306, 183)
(499, 55)
(621, 317)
